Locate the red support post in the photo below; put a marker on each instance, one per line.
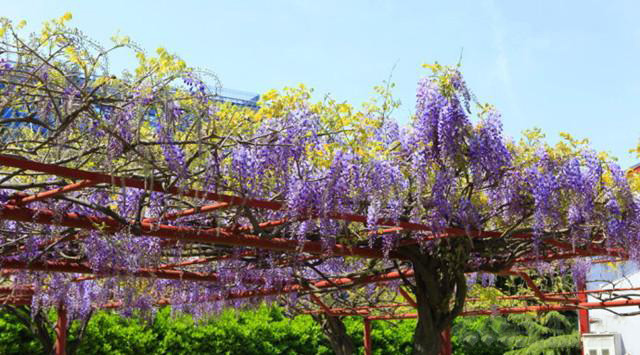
(445, 341)
(583, 313)
(367, 337)
(61, 332)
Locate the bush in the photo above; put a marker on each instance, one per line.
(266, 331)
(16, 338)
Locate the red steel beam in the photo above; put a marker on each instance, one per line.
(59, 266)
(78, 268)
(365, 309)
(449, 232)
(139, 183)
(205, 260)
(368, 348)
(290, 288)
(408, 297)
(19, 295)
(607, 304)
(62, 171)
(55, 192)
(61, 332)
(221, 236)
(340, 312)
(605, 261)
(319, 302)
(362, 310)
(22, 290)
(557, 307)
(554, 256)
(174, 265)
(188, 212)
(316, 285)
(543, 297)
(21, 163)
(591, 248)
(543, 308)
(15, 301)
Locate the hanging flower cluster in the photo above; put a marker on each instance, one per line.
(450, 171)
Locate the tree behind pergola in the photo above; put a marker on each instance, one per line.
(184, 200)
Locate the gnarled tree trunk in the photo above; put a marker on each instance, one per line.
(334, 329)
(440, 289)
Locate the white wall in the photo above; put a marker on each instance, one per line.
(605, 321)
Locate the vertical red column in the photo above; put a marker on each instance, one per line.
(61, 332)
(445, 340)
(583, 314)
(367, 337)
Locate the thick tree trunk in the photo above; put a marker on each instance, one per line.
(440, 289)
(334, 329)
(426, 339)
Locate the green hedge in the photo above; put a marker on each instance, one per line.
(15, 338)
(261, 331)
(264, 331)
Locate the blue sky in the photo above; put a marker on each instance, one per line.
(561, 66)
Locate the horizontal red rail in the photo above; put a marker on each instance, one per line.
(221, 236)
(336, 282)
(139, 183)
(586, 252)
(542, 296)
(55, 192)
(559, 256)
(323, 284)
(78, 268)
(189, 212)
(543, 308)
(231, 200)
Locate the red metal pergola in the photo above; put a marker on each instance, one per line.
(17, 209)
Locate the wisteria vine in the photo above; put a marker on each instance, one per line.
(450, 170)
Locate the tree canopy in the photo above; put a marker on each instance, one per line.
(202, 204)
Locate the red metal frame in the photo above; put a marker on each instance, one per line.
(445, 338)
(222, 236)
(368, 348)
(157, 186)
(407, 297)
(61, 332)
(80, 268)
(239, 236)
(188, 212)
(543, 297)
(583, 313)
(23, 200)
